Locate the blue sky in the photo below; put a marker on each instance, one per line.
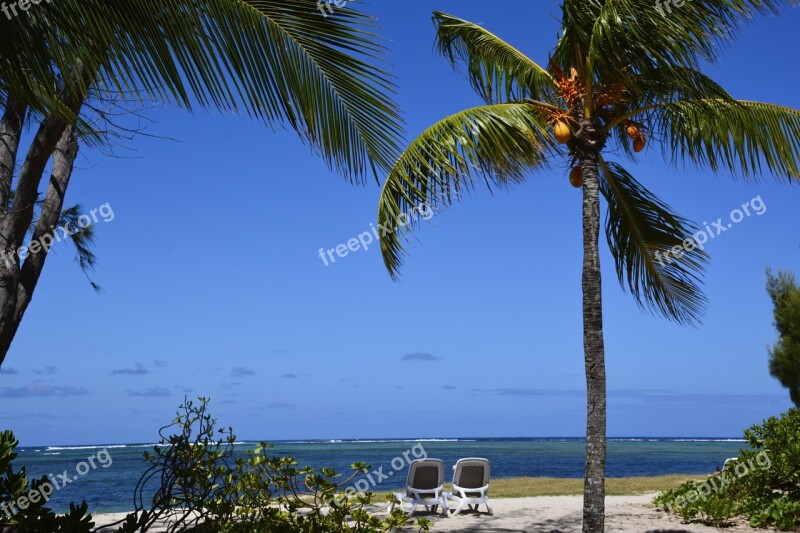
(213, 284)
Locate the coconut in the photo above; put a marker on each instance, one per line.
(632, 130)
(638, 143)
(562, 132)
(576, 177)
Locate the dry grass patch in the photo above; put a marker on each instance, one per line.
(522, 487)
(525, 487)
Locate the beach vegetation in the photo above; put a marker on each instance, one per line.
(615, 65)
(761, 484)
(23, 502)
(197, 482)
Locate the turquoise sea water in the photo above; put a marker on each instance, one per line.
(109, 485)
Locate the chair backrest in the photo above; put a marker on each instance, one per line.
(425, 474)
(471, 473)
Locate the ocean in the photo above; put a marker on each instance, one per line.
(107, 481)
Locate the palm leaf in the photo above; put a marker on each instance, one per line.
(279, 61)
(665, 84)
(610, 36)
(577, 22)
(82, 237)
(733, 136)
(651, 89)
(497, 71)
(641, 232)
(497, 143)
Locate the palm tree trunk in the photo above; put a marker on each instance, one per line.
(594, 353)
(10, 134)
(15, 223)
(63, 162)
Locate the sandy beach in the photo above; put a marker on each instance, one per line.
(562, 514)
(554, 514)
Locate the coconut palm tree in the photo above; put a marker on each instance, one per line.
(284, 62)
(621, 75)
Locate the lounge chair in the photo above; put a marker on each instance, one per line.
(424, 486)
(470, 484)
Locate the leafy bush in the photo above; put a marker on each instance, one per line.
(24, 504)
(763, 483)
(202, 486)
(707, 502)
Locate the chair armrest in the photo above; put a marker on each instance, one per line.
(437, 492)
(462, 491)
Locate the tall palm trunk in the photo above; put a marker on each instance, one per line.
(10, 134)
(15, 223)
(594, 352)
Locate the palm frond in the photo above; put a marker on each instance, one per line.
(496, 70)
(577, 22)
(81, 236)
(747, 138)
(653, 88)
(497, 143)
(643, 235)
(614, 35)
(665, 84)
(280, 61)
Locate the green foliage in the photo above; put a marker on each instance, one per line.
(644, 34)
(35, 517)
(497, 71)
(280, 61)
(706, 502)
(763, 483)
(204, 486)
(781, 512)
(784, 356)
(731, 136)
(640, 228)
(780, 437)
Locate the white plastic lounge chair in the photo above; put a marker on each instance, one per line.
(424, 486)
(470, 484)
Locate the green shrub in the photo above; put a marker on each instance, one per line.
(24, 503)
(200, 485)
(763, 483)
(707, 502)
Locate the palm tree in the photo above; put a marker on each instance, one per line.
(620, 74)
(280, 61)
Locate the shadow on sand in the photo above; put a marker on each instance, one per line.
(470, 522)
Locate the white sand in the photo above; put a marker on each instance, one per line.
(554, 514)
(562, 514)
